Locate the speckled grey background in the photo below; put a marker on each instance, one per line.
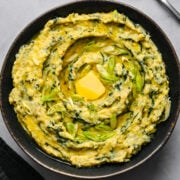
(16, 14)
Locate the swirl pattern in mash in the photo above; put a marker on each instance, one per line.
(90, 88)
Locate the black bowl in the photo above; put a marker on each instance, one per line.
(164, 130)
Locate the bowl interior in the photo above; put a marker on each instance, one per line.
(163, 131)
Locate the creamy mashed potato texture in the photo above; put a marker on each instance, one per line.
(90, 88)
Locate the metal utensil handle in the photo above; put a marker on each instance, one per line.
(171, 8)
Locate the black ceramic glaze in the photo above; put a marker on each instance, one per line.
(164, 130)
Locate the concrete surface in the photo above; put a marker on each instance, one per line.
(16, 14)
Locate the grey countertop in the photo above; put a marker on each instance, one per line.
(16, 14)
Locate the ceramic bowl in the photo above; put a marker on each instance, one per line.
(164, 130)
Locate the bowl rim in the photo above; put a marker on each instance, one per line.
(30, 154)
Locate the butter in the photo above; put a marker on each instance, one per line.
(90, 86)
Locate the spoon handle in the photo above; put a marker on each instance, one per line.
(171, 8)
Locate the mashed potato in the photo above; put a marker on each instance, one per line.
(90, 88)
